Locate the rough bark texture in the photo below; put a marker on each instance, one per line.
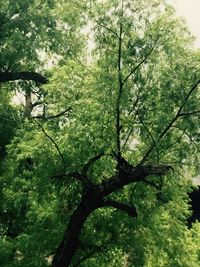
(24, 75)
(93, 199)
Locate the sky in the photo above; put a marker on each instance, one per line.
(190, 11)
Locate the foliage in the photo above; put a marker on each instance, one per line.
(135, 94)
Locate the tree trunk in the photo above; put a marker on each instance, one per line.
(94, 199)
(69, 244)
(28, 104)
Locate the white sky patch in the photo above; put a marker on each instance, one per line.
(190, 11)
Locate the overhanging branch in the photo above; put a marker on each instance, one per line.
(24, 75)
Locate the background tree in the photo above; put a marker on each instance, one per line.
(103, 169)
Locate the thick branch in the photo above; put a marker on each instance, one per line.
(90, 162)
(93, 200)
(130, 176)
(120, 206)
(24, 75)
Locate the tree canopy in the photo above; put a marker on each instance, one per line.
(98, 151)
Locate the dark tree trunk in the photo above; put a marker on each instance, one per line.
(69, 244)
(195, 206)
(94, 199)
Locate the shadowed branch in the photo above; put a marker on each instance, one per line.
(24, 75)
(120, 206)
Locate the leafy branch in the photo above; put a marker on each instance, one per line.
(141, 62)
(171, 123)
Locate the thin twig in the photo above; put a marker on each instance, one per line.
(153, 139)
(52, 116)
(51, 139)
(171, 123)
(141, 62)
(120, 88)
(189, 113)
(108, 29)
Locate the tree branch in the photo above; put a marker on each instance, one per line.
(153, 139)
(95, 249)
(52, 116)
(92, 200)
(189, 113)
(120, 206)
(90, 162)
(51, 139)
(107, 28)
(120, 89)
(141, 62)
(24, 75)
(171, 123)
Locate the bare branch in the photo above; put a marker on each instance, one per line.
(188, 96)
(95, 249)
(87, 256)
(190, 138)
(75, 175)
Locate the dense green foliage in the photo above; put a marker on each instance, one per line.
(74, 117)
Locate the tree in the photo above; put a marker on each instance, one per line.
(103, 169)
